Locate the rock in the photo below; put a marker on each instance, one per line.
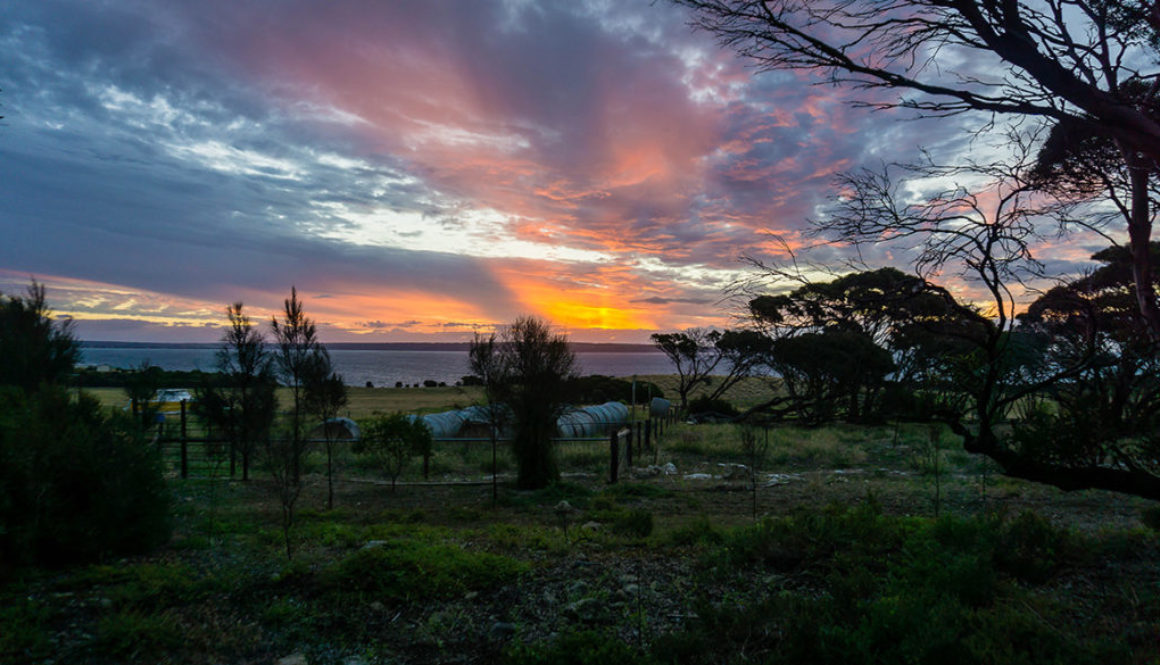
(105, 603)
(698, 476)
(588, 610)
(501, 630)
(563, 508)
(374, 544)
(471, 595)
(292, 659)
(780, 478)
(591, 526)
(631, 590)
(669, 469)
(577, 588)
(378, 606)
(734, 471)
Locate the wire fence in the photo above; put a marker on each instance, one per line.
(189, 448)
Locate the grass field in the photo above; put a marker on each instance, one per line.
(362, 401)
(365, 401)
(840, 544)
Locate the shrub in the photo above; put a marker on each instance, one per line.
(407, 570)
(392, 440)
(705, 405)
(1030, 548)
(75, 484)
(597, 388)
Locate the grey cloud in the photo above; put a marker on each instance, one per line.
(657, 300)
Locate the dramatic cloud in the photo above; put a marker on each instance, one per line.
(413, 168)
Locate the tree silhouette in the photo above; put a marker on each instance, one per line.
(1069, 61)
(530, 367)
(242, 403)
(34, 349)
(695, 356)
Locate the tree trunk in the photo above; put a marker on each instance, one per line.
(1139, 237)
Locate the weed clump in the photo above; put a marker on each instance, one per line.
(407, 570)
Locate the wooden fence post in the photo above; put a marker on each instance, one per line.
(184, 445)
(648, 434)
(614, 455)
(627, 451)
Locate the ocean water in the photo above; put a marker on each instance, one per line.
(380, 367)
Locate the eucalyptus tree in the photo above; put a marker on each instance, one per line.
(695, 356)
(986, 237)
(1090, 64)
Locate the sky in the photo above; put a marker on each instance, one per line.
(418, 171)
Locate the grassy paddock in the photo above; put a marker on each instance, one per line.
(835, 555)
(363, 401)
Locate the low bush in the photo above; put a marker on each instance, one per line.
(704, 405)
(75, 484)
(1031, 549)
(405, 570)
(597, 389)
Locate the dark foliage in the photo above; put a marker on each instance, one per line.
(527, 369)
(239, 401)
(34, 349)
(75, 484)
(89, 377)
(708, 406)
(597, 389)
(392, 440)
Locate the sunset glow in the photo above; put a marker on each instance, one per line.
(418, 170)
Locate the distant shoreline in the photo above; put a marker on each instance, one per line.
(591, 347)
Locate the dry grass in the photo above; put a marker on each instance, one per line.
(747, 393)
(363, 401)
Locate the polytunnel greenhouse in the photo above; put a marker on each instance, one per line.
(592, 420)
